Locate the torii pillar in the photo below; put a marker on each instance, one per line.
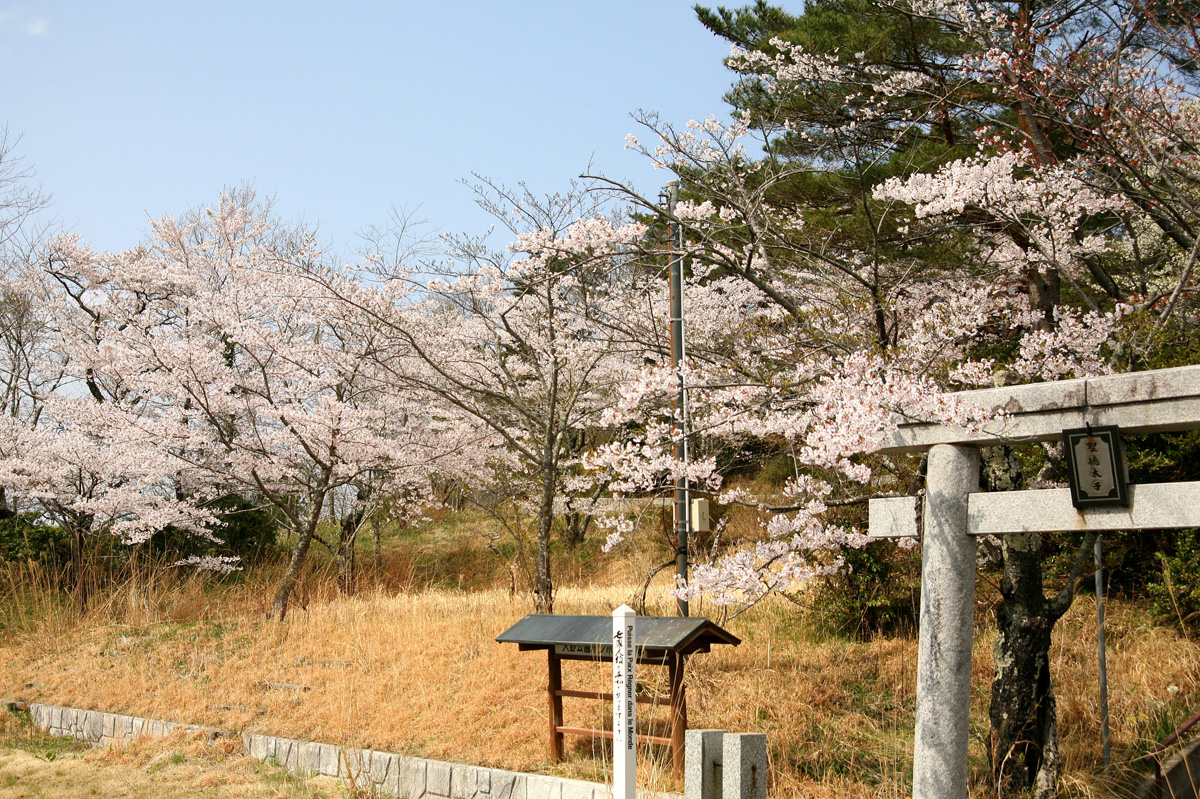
(954, 513)
(947, 625)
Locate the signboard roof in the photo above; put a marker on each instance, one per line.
(682, 635)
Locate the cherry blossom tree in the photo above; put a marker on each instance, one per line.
(67, 449)
(516, 342)
(20, 201)
(246, 376)
(24, 330)
(940, 196)
(93, 475)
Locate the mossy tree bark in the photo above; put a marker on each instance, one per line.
(1023, 740)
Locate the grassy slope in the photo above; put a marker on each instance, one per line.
(417, 671)
(36, 766)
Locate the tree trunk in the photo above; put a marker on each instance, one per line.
(348, 527)
(1045, 290)
(77, 575)
(575, 527)
(79, 585)
(346, 565)
(543, 589)
(291, 577)
(377, 537)
(1023, 740)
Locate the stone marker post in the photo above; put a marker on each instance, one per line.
(702, 773)
(744, 765)
(947, 625)
(624, 641)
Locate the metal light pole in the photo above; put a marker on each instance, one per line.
(669, 197)
(1105, 745)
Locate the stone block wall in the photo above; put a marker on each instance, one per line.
(98, 727)
(414, 777)
(391, 774)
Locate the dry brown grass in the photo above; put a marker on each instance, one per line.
(34, 765)
(419, 672)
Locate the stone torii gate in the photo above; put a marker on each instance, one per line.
(954, 513)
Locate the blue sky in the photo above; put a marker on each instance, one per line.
(128, 110)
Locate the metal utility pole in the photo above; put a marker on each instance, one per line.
(670, 196)
(1105, 745)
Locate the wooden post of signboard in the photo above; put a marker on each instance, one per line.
(554, 689)
(675, 667)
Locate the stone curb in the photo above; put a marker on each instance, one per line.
(390, 774)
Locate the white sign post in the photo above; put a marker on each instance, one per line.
(624, 641)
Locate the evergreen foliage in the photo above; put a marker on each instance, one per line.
(25, 536)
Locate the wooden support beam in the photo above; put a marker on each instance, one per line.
(649, 739)
(676, 701)
(641, 700)
(554, 689)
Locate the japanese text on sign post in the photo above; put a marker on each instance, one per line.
(624, 662)
(1096, 468)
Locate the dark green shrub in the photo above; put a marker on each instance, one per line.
(878, 592)
(25, 537)
(1146, 561)
(777, 470)
(1175, 594)
(248, 531)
